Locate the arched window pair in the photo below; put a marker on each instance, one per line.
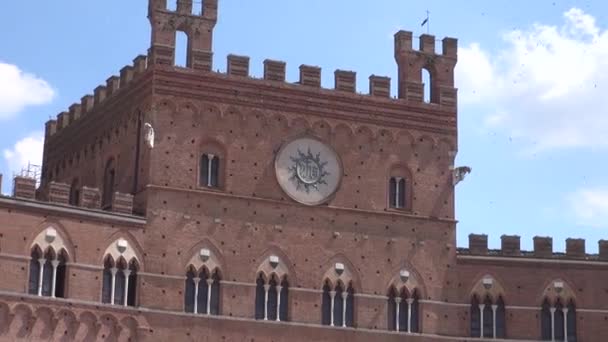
(209, 171)
(271, 298)
(47, 272)
(558, 320)
(487, 317)
(403, 310)
(202, 295)
(338, 304)
(119, 281)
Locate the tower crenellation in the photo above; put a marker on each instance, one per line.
(440, 67)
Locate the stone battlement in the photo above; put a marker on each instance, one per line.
(543, 248)
(63, 194)
(88, 103)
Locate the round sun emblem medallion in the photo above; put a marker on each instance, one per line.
(308, 170)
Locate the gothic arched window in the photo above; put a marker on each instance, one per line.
(403, 310)
(487, 317)
(47, 273)
(338, 305)
(119, 281)
(202, 295)
(271, 301)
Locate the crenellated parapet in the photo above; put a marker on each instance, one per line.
(344, 81)
(24, 188)
(543, 248)
(88, 103)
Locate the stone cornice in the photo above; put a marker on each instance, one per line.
(71, 212)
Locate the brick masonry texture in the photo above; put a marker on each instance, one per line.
(158, 206)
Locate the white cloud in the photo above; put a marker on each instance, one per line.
(591, 206)
(26, 150)
(548, 83)
(19, 90)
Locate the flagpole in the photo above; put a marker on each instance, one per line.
(428, 23)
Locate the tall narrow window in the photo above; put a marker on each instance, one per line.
(326, 300)
(284, 300)
(190, 292)
(209, 171)
(74, 198)
(34, 271)
(109, 176)
(488, 318)
(427, 81)
(475, 317)
(106, 292)
(571, 321)
(397, 193)
(559, 322)
(214, 302)
(181, 49)
(338, 305)
(260, 297)
(545, 321)
(500, 319)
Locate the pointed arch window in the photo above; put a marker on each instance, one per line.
(209, 171)
(47, 273)
(119, 281)
(403, 310)
(338, 304)
(272, 298)
(202, 295)
(487, 317)
(558, 320)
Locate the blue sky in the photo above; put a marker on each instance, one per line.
(532, 75)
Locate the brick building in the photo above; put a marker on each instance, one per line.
(186, 204)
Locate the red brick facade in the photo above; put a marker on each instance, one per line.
(121, 186)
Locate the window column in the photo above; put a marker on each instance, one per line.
(209, 167)
(196, 281)
(266, 289)
(410, 301)
(565, 311)
(41, 273)
(55, 263)
(397, 303)
(279, 288)
(332, 294)
(494, 308)
(481, 308)
(344, 297)
(126, 272)
(209, 284)
(113, 287)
